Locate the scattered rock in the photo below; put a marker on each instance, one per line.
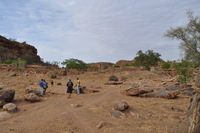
(92, 90)
(4, 116)
(113, 78)
(32, 97)
(121, 106)
(32, 90)
(135, 91)
(7, 95)
(10, 107)
(101, 124)
(167, 95)
(2, 102)
(13, 74)
(117, 114)
(59, 83)
(173, 87)
(114, 82)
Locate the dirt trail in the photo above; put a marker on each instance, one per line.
(82, 113)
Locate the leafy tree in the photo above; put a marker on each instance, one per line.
(74, 64)
(147, 59)
(189, 36)
(184, 70)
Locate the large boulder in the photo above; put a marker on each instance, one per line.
(32, 97)
(121, 106)
(10, 107)
(163, 94)
(32, 90)
(7, 95)
(173, 87)
(2, 102)
(135, 91)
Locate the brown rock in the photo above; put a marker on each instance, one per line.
(167, 95)
(113, 83)
(117, 114)
(32, 97)
(7, 95)
(136, 91)
(121, 106)
(10, 107)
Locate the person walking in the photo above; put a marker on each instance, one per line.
(45, 86)
(51, 82)
(69, 88)
(78, 86)
(41, 84)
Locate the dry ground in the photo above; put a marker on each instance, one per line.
(56, 113)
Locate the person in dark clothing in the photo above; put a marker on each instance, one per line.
(51, 82)
(69, 88)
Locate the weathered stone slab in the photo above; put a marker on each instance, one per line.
(7, 95)
(167, 95)
(136, 91)
(10, 107)
(32, 97)
(114, 82)
(117, 114)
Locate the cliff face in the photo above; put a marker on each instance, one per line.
(14, 50)
(100, 64)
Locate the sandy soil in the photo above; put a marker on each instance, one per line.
(56, 113)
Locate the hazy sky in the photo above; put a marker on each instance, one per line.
(95, 30)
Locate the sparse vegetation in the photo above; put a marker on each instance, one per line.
(74, 64)
(8, 61)
(147, 59)
(166, 65)
(53, 74)
(184, 71)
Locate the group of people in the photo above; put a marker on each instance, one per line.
(70, 85)
(43, 86)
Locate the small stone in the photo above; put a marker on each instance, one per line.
(101, 124)
(117, 114)
(10, 107)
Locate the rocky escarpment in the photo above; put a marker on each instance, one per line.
(10, 49)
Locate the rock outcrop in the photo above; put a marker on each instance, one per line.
(100, 64)
(7, 95)
(11, 49)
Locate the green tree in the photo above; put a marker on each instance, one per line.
(74, 64)
(189, 36)
(147, 59)
(184, 71)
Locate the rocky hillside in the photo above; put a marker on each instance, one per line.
(10, 49)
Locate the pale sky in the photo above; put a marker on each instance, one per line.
(95, 30)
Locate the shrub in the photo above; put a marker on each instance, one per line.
(184, 71)
(54, 74)
(166, 65)
(9, 61)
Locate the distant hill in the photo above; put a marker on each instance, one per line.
(11, 49)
